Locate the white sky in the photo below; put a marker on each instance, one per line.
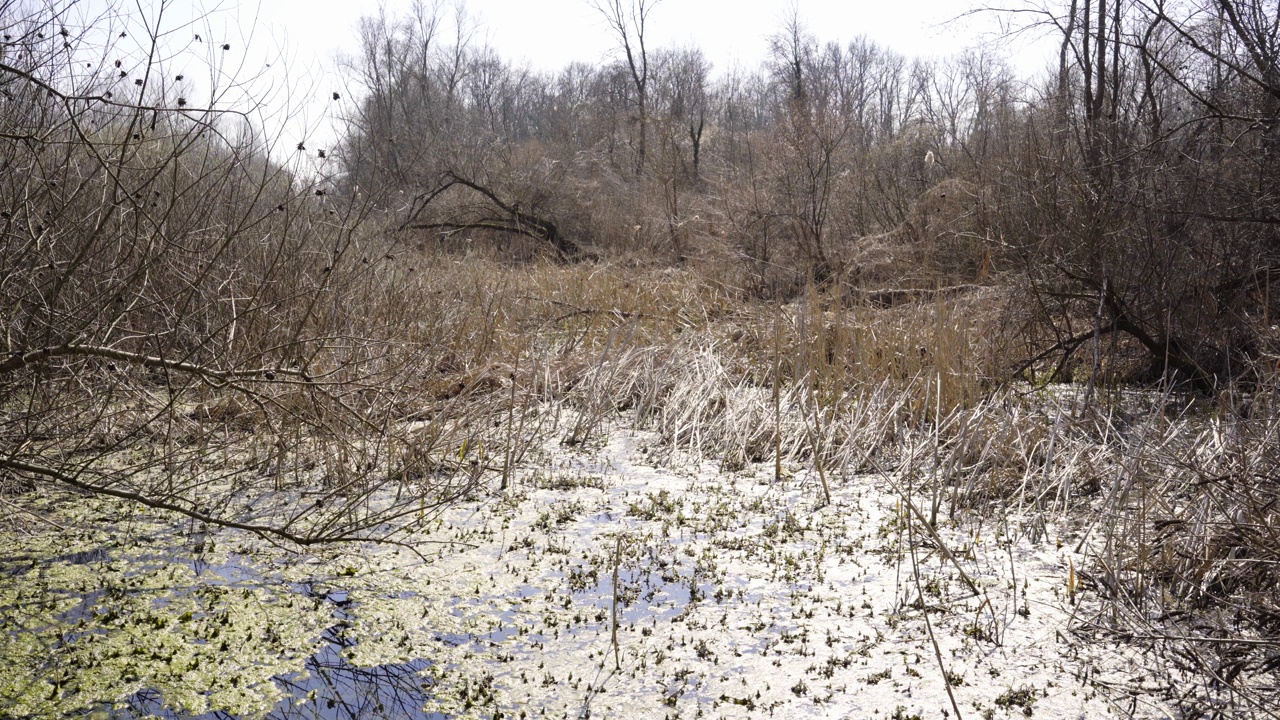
(551, 33)
(548, 34)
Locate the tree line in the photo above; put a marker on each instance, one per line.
(1127, 194)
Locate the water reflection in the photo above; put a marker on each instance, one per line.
(330, 688)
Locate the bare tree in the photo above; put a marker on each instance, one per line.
(627, 22)
(188, 323)
(813, 129)
(1124, 193)
(414, 71)
(682, 78)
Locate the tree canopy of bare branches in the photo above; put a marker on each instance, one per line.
(188, 323)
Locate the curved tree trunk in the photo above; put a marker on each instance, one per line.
(497, 215)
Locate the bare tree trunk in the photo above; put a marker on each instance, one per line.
(695, 137)
(628, 24)
(1064, 75)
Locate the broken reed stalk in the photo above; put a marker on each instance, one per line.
(617, 560)
(589, 419)
(924, 608)
(937, 443)
(777, 396)
(508, 456)
(815, 433)
(905, 494)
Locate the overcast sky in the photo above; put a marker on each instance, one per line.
(548, 34)
(551, 33)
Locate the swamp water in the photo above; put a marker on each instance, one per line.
(735, 596)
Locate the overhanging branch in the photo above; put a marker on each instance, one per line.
(264, 530)
(20, 360)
